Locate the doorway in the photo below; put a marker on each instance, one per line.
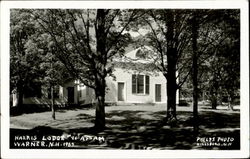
(157, 92)
(71, 94)
(121, 91)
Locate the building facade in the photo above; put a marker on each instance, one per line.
(136, 81)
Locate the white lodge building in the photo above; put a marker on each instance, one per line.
(137, 81)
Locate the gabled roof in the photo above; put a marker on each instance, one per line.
(136, 59)
(138, 55)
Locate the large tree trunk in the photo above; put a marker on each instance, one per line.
(100, 113)
(171, 67)
(100, 66)
(53, 103)
(171, 105)
(100, 106)
(171, 94)
(195, 74)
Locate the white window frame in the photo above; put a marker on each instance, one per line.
(144, 84)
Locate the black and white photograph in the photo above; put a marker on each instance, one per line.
(117, 77)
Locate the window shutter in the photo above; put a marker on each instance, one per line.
(133, 83)
(147, 84)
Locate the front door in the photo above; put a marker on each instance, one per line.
(71, 95)
(158, 93)
(121, 94)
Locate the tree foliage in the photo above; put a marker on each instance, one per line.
(219, 49)
(24, 63)
(169, 37)
(85, 41)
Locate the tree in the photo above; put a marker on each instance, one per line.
(23, 64)
(54, 72)
(169, 37)
(85, 42)
(54, 75)
(229, 55)
(176, 50)
(195, 27)
(197, 18)
(38, 44)
(219, 31)
(209, 35)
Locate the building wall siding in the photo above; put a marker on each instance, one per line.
(126, 77)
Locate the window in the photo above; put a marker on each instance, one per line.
(140, 84)
(55, 92)
(140, 54)
(147, 84)
(134, 81)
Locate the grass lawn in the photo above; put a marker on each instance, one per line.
(131, 127)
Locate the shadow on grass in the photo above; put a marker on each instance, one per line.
(37, 108)
(147, 130)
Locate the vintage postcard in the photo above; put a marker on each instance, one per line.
(124, 79)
